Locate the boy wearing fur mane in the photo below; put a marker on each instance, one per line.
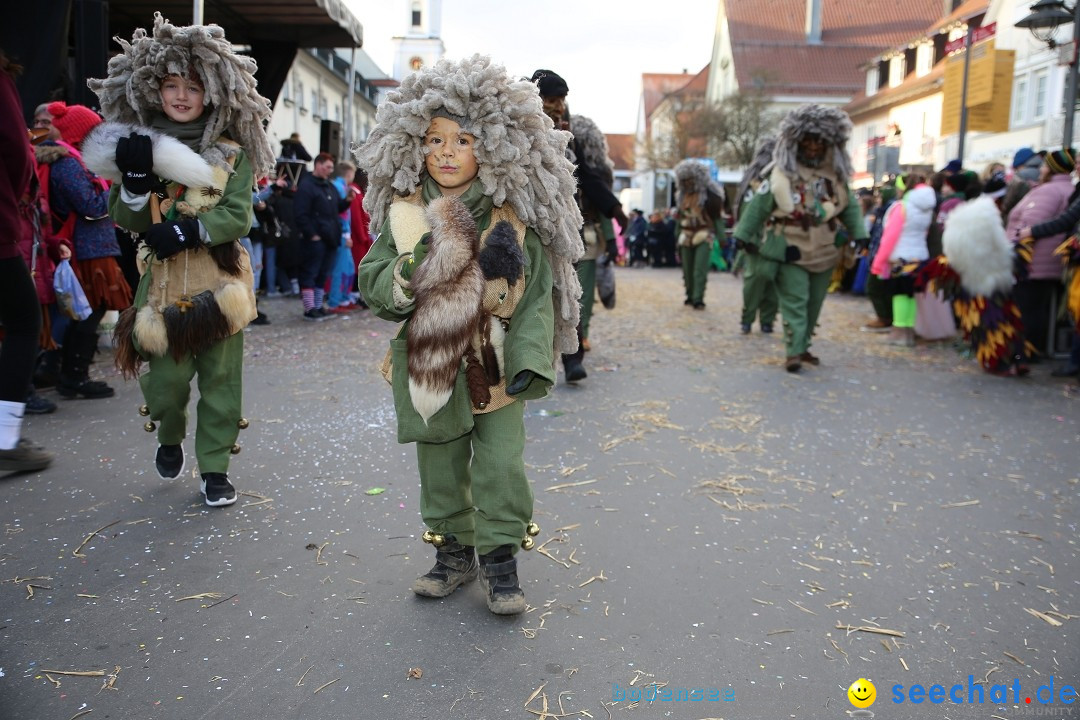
(183, 141)
(475, 255)
(793, 219)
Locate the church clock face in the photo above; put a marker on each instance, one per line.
(416, 63)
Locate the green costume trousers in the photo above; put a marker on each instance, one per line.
(695, 268)
(586, 273)
(475, 487)
(801, 294)
(759, 290)
(880, 297)
(167, 388)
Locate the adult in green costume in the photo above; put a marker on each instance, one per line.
(701, 221)
(793, 218)
(759, 290)
(183, 141)
(475, 257)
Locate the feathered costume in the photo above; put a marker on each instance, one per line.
(978, 271)
(758, 171)
(591, 149)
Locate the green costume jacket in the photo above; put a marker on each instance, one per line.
(525, 309)
(803, 214)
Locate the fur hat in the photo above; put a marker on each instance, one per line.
(829, 123)
(693, 177)
(73, 121)
(131, 92)
(759, 166)
(520, 156)
(593, 145)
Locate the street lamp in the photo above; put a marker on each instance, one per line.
(1045, 18)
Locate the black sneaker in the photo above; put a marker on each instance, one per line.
(767, 329)
(217, 489)
(325, 314)
(169, 461)
(745, 329)
(498, 576)
(24, 457)
(37, 405)
(314, 315)
(455, 565)
(699, 305)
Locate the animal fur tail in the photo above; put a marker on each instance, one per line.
(172, 159)
(448, 289)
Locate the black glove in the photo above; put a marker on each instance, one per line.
(168, 238)
(135, 161)
(750, 248)
(520, 382)
(792, 254)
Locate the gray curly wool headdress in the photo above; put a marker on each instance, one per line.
(519, 153)
(831, 124)
(130, 94)
(593, 146)
(763, 157)
(693, 177)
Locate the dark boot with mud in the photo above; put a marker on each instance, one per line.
(455, 565)
(498, 576)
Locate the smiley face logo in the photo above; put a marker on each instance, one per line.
(862, 693)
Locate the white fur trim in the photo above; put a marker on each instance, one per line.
(781, 191)
(974, 242)
(172, 159)
(150, 331)
(497, 337)
(237, 304)
(427, 401)
(407, 224)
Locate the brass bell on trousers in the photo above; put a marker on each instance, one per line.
(243, 423)
(527, 543)
(144, 410)
(433, 538)
(150, 426)
(234, 450)
(532, 529)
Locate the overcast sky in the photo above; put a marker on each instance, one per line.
(601, 47)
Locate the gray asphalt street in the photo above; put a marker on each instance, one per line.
(720, 539)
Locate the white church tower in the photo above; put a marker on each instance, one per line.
(421, 45)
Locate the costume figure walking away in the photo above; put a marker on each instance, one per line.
(475, 255)
(977, 271)
(759, 290)
(701, 221)
(797, 214)
(595, 199)
(20, 312)
(184, 141)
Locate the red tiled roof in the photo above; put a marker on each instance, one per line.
(769, 41)
(656, 86)
(621, 151)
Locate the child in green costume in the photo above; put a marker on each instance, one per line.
(183, 141)
(478, 231)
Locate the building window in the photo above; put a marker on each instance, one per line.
(416, 14)
(300, 96)
(322, 107)
(314, 102)
(337, 113)
(286, 90)
(924, 59)
(416, 63)
(1020, 101)
(871, 81)
(1040, 87)
(896, 71)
